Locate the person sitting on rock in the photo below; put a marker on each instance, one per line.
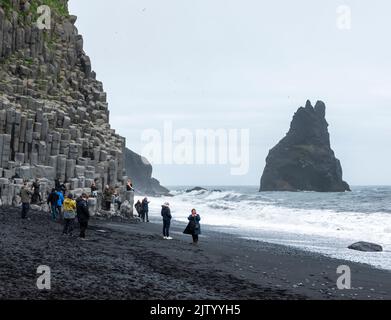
(83, 214)
(69, 214)
(129, 186)
(94, 190)
(25, 196)
(52, 202)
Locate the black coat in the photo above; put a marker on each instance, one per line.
(166, 213)
(145, 206)
(83, 213)
(194, 226)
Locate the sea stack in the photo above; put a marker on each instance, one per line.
(303, 160)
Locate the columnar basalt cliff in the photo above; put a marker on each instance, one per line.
(54, 118)
(304, 160)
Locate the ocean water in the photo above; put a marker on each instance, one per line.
(325, 223)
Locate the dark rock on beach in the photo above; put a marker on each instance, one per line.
(196, 189)
(366, 247)
(303, 160)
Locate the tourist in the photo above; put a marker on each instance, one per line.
(129, 186)
(94, 190)
(83, 214)
(36, 197)
(107, 198)
(25, 196)
(138, 208)
(52, 202)
(145, 210)
(117, 200)
(166, 214)
(60, 201)
(194, 227)
(69, 214)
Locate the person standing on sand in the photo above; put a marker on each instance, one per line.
(83, 214)
(166, 214)
(138, 208)
(52, 202)
(194, 226)
(69, 214)
(107, 198)
(25, 196)
(145, 209)
(60, 201)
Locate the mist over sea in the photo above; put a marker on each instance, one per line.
(325, 223)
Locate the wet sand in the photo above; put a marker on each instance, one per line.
(133, 262)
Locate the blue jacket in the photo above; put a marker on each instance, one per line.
(60, 200)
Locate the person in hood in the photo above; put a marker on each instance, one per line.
(83, 214)
(52, 202)
(194, 226)
(166, 214)
(69, 214)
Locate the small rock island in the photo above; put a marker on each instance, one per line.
(303, 160)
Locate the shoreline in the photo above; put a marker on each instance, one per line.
(133, 262)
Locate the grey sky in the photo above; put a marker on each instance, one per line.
(245, 64)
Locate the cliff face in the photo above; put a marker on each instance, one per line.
(54, 118)
(140, 171)
(304, 160)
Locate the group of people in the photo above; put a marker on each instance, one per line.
(142, 208)
(193, 228)
(61, 207)
(65, 207)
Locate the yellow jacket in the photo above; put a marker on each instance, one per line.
(69, 205)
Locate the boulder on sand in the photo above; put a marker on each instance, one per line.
(366, 247)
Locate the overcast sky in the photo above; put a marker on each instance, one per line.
(245, 64)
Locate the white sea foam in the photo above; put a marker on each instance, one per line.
(268, 218)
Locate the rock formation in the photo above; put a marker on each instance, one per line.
(140, 170)
(54, 118)
(304, 160)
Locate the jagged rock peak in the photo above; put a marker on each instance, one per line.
(303, 159)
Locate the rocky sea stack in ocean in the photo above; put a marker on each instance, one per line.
(304, 160)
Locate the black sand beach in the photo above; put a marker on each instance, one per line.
(133, 262)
